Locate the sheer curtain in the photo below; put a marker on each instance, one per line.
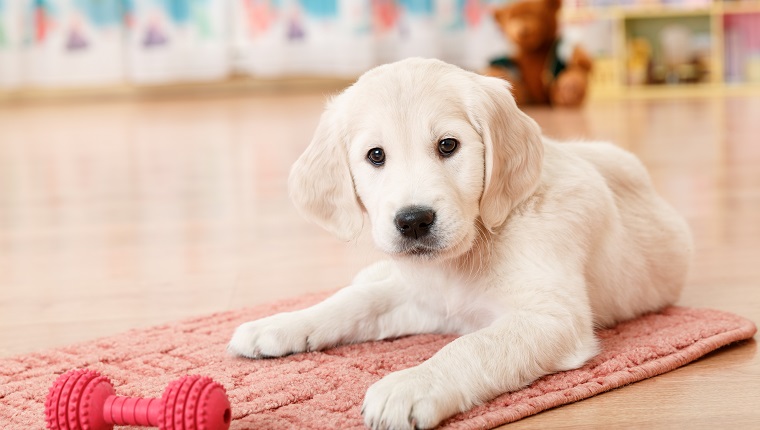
(102, 42)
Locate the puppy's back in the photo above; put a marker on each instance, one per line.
(654, 246)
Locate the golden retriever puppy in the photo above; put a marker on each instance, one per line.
(520, 244)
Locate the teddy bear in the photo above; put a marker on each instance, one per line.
(537, 72)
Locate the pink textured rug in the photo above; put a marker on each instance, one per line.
(324, 390)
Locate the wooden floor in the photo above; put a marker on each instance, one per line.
(121, 214)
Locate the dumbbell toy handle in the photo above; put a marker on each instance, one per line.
(118, 410)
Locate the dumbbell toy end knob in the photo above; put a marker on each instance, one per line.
(195, 402)
(76, 400)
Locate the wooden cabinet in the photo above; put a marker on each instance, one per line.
(669, 47)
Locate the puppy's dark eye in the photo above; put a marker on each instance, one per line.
(376, 156)
(448, 146)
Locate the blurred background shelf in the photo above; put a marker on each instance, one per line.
(646, 48)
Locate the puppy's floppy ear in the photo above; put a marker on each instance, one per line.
(513, 150)
(320, 181)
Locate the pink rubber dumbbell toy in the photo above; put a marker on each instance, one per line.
(85, 400)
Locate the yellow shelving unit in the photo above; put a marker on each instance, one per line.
(612, 73)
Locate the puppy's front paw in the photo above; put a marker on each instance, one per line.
(274, 336)
(410, 399)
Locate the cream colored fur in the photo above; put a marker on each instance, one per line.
(535, 243)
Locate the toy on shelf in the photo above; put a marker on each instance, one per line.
(84, 399)
(538, 71)
(639, 61)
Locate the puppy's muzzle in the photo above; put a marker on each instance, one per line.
(414, 222)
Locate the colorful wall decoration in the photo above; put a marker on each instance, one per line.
(100, 42)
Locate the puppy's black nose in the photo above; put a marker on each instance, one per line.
(414, 221)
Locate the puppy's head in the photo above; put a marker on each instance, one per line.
(430, 152)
